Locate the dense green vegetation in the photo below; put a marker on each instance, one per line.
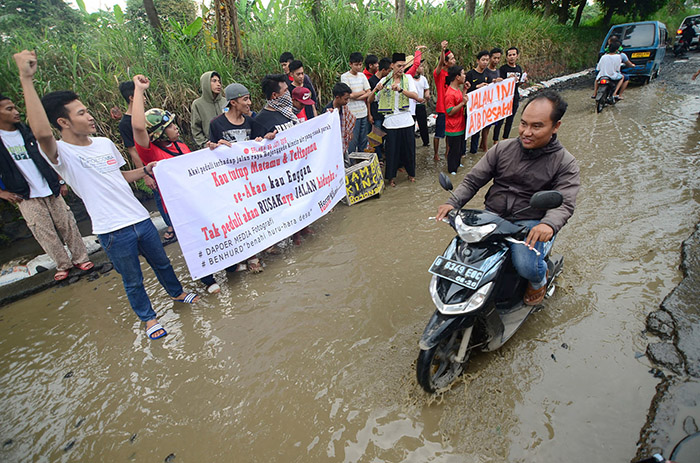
(92, 53)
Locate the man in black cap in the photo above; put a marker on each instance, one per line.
(393, 94)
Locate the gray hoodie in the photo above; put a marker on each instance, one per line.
(204, 109)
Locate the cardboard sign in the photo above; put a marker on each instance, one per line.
(489, 104)
(228, 204)
(364, 179)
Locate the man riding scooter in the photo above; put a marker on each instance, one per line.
(609, 66)
(520, 167)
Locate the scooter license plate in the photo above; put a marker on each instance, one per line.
(456, 272)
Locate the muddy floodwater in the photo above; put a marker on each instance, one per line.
(314, 359)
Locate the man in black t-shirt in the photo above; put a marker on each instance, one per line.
(510, 69)
(234, 125)
(278, 113)
(478, 78)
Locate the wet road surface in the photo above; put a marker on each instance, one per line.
(314, 359)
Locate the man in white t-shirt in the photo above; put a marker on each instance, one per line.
(91, 166)
(38, 191)
(609, 66)
(358, 104)
(419, 111)
(393, 94)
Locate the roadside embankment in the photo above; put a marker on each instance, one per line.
(675, 409)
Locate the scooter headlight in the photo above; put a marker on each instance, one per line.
(471, 234)
(474, 302)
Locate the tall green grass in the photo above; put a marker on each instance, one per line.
(93, 62)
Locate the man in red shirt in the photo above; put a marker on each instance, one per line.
(371, 66)
(455, 101)
(447, 60)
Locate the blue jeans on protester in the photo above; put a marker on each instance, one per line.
(528, 264)
(359, 135)
(123, 247)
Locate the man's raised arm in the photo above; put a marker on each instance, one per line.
(39, 122)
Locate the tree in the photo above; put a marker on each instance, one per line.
(470, 9)
(564, 11)
(152, 15)
(54, 15)
(579, 12)
(401, 10)
(184, 11)
(639, 9)
(227, 29)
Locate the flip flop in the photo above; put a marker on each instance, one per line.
(153, 329)
(61, 275)
(85, 266)
(188, 299)
(214, 288)
(169, 235)
(254, 265)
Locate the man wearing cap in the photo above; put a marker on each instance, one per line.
(231, 127)
(234, 125)
(304, 106)
(393, 94)
(156, 138)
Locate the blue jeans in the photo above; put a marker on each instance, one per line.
(161, 209)
(123, 247)
(528, 264)
(359, 135)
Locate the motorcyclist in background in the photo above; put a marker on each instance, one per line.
(609, 66)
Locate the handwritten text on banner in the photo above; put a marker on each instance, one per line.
(489, 104)
(230, 203)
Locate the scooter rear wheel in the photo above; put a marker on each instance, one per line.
(436, 368)
(600, 104)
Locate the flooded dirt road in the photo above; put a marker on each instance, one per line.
(313, 360)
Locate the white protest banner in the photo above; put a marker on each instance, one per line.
(230, 203)
(489, 104)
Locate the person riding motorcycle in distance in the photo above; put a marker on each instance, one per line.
(520, 167)
(609, 66)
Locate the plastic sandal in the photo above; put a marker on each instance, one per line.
(188, 299)
(153, 329)
(85, 266)
(214, 289)
(61, 275)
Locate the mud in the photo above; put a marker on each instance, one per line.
(314, 359)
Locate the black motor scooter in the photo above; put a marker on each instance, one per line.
(606, 90)
(477, 292)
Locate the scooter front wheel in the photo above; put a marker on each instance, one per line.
(437, 368)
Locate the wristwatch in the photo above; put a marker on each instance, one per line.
(401, 90)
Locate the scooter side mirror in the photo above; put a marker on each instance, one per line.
(546, 200)
(445, 182)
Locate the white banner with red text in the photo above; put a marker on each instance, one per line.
(489, 104)
(229, 204)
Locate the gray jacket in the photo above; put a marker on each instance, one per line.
(517, 174)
